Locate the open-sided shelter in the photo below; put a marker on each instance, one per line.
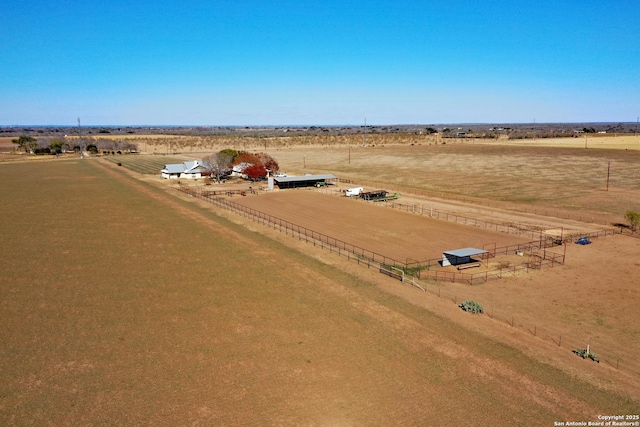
(461, 256)
(302, 181)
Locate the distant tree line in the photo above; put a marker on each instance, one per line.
(55, 145)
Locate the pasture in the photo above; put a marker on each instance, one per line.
(549, 177)
(122, 304)
(143, 164)
(554, 181)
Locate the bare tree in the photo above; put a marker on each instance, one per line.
(218, 165)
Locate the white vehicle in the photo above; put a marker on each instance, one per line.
(351, 192)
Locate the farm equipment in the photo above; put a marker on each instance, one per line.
(583, 241)
(393, 196)
(321, 184)
(374, 195)
(379, 196)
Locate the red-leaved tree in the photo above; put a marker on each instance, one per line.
(247, 158)
(268, 162)
(255, 172)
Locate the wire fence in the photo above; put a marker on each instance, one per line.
(427, 277)
(621, 357)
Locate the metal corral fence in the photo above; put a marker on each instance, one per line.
(334, 245)
(623, 357)
(453, 217)
(619, 359)
(539, 257)
(419, 269)
(488, 225)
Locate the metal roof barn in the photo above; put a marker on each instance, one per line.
(460, 256)
(302, 181)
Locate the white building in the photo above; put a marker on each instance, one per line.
(189, 170)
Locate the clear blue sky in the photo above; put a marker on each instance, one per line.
(318, 62)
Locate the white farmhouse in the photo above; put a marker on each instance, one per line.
(189, 170)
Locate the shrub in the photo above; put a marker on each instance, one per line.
(633, 218)
(471, 306)
(586, 354)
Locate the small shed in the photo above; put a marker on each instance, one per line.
(461, 256)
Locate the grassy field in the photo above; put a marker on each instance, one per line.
(552, 180)
(123, 305)
(146, 165)
(551, 176)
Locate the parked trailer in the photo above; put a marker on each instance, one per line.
(353, 192)
(374, 195)
(394, 196)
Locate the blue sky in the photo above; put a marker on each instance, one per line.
(318, 62)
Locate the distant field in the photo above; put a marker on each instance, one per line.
(550, 179)
(124, 305)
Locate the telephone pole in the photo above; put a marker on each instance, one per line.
(80, 139)
(364, 141)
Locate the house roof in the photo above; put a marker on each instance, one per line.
(174, 168)
(191, 166)
(186, 167)
(465, 252)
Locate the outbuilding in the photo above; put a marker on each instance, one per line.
(301, 181)
(462, 256)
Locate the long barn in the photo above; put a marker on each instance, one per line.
(300, 181)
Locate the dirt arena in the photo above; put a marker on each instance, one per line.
(394, 234)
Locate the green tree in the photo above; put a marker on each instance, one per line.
(27, 143)
(56, 145)
(633, 218)
(230, 152)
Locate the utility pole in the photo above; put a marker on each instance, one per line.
(608, 174)
(80, 139)
(364, 143)
(534, 128)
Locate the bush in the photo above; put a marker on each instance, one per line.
(471, 306)
(585, 354)
(633, 218)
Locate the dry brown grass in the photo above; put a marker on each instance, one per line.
(123, 305)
